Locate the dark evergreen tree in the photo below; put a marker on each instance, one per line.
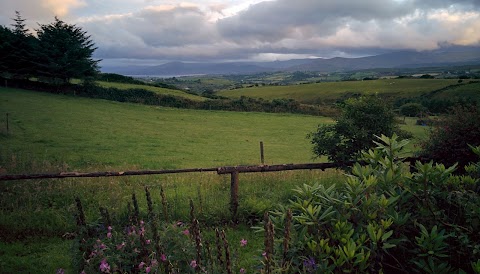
(6, 49)
(22, 44)
(64, 52)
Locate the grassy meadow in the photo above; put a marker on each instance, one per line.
(83, 133)
(63, 133)
(164, 91)
(327, 92)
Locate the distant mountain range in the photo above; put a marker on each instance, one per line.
(454, 55)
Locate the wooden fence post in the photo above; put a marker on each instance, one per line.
(262, 158)
(234, 195)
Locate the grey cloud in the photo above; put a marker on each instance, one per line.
(275, 20)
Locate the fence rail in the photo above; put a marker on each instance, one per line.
(232, 170)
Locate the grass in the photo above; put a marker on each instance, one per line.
(158, 90)
(83, 132)
(327, 92)
(59, 133)
(471, 91)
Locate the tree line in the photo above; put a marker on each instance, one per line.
(54, 53)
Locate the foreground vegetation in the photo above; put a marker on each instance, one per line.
(40, 139)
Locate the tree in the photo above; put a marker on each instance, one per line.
(16, 47)
(64, 52)
(360, 120)
(6, 49)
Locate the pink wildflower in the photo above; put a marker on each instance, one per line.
(243, 242)
(148, 242)
(141, 265)
(148, 269)
(109, 235)
(186, 232)
(102, 246)
(242, 270)
(264, 254)
(104, 266)
(154, 262)
(60, 271)
(193, 263)
(163, 257)
(142, 223)
(83, 272)
(142, 231)
(109, 228)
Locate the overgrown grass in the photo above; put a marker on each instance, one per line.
(327, 92)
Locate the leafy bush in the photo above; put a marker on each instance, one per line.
(412, 109)
(360, 120)
(383, 219)
(449, 141)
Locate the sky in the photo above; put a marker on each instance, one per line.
(152, 32)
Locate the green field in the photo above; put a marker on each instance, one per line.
(471, 91)
(328, 92)
(59, 133)
(63, 133)
(158, 90)
(84, 132)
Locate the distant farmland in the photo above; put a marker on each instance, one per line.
(327, 92)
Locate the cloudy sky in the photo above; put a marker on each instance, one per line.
(157, 31)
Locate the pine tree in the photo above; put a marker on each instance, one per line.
(64, 52)
(16, 48)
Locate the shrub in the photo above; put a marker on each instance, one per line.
(384, 219)
(412, 109)
(360, 120)
(448, 141)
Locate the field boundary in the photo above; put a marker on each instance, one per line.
(234, 172)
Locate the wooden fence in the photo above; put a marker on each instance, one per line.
(234, 172)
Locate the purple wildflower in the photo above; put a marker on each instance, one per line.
(148, 242)
(148, 269)
(141, 265)
(109, 235)
(243, 242)
(163, 257)
(104, 266)
(186, 232)
(242, 270)
(60, 271)
(310, 264)
(193, 263)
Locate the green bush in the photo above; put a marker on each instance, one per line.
(360, 120)
(449, 141)
(383, 219)
(412, 109)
